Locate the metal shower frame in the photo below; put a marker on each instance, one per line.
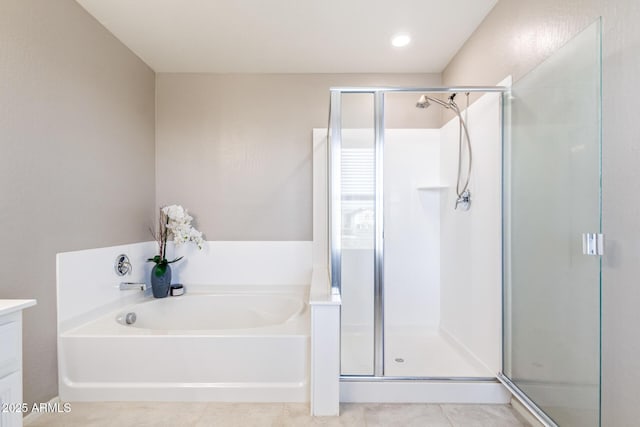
(335, 207)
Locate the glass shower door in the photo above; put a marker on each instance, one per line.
(357, 233)
(552, 197)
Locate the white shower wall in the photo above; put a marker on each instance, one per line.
(411, 230)
(471, 247)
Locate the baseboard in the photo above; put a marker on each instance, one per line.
(32, 416)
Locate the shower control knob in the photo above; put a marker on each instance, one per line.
(122, 265)
(464, 201)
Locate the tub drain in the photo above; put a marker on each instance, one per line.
(399, 360)
(130, 318)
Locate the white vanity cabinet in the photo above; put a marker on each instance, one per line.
(11, 405)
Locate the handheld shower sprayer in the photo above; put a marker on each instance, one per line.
(464, 195)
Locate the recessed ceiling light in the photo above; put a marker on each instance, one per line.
(400, 39)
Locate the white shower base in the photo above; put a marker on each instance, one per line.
(423, 354)
(430, 354)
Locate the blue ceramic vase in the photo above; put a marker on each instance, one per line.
(160, 280)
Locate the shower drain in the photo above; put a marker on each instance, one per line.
(399, 360)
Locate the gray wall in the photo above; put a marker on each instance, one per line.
(516, 36)
(77, 163)
(235, 149)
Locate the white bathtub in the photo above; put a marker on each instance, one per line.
(218, 343)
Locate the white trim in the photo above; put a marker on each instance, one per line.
(424, 392)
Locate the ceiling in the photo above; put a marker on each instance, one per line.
(291, 36)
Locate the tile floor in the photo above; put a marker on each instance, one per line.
(158, 414)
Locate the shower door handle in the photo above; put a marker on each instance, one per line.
(593, 244)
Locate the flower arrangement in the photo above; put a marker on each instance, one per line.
(175, 223)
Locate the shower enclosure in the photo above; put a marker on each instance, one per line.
(508, 289)
(420, 281)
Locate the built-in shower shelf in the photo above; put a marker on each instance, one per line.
(432, 187)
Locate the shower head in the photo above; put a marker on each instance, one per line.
(426, 100)
(423, 102)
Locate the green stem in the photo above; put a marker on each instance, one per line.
(163, 252)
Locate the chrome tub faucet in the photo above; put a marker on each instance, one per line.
(133, 286)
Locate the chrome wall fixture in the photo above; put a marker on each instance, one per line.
(122, 265)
